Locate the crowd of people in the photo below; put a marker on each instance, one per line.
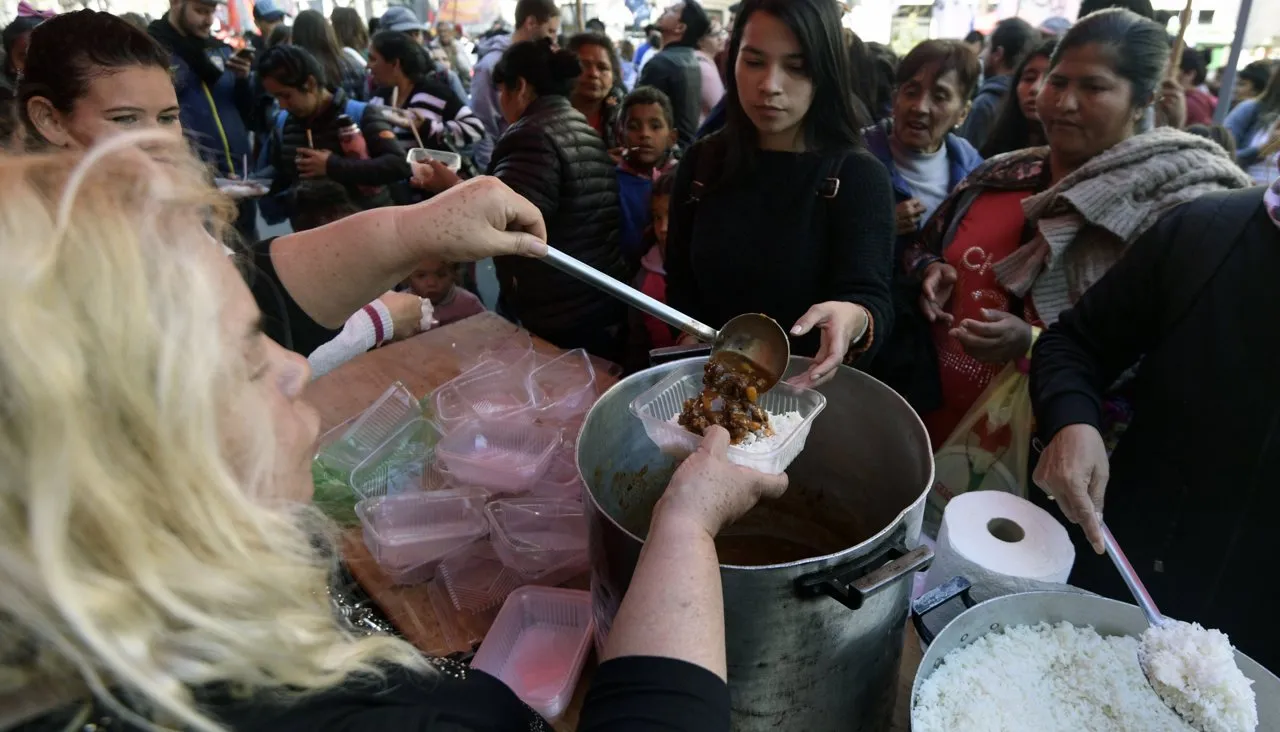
(1056, 202)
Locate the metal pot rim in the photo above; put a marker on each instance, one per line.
(875, 540)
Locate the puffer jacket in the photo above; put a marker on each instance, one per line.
(553, 157)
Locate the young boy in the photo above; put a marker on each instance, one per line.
(434, 279)
(647, 332)
(648, 136)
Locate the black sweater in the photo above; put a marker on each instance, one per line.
(1192, 495)
(631, 694)
(770, 243)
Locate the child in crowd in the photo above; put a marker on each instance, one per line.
(649, 134)
(435, 280)
(647, 332)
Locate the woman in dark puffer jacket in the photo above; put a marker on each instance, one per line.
(553, 157)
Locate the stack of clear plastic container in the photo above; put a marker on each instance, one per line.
(563, 387)
(534, 535)
(658, 406)
(475, 579)
(409, 534)
(400, 464)
(506, 456)
(538, 645)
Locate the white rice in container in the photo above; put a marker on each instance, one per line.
(1042, 678)
(756, 442)
(1194, 670)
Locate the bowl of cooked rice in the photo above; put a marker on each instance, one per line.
(1065, 662)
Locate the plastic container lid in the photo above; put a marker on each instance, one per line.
(450, 408)
(395, 408)
(413, 529)
(476, 579)
(565, 386)
(532, 535)
(660, 403)
(503, 456)
(497, 394)
(399, 464)
(537, 646)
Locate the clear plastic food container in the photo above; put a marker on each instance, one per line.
(503, 456)
(399, 464)
(537, 646)
(391, 411)
(497, 394)
(411, 530)
(565, 386)
(451, 409)
(657, 407)
(561, 479)
(532, 535)
(450, 160)
(476, 579)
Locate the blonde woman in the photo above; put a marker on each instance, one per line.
(158, 572)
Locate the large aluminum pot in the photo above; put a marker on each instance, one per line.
(1107, 616)
(817, 584)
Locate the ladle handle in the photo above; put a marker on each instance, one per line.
(1130, 577)
(629, 295)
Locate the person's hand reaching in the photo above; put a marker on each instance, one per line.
(475, 219)
(406, 314)
(710, 492)
(1171, 105)
(840, 323)
(1074, 471)
(935, 292)
(908, 215)
(1001, 338)
(312, 163)
(432, 175)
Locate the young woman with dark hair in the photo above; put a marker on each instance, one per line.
(1027, 233)
(598, 93)
(352, 34)
(88, 75)
(314, 34)
(553, 157)
(1255, 123)
(783, 207)
(1017, 125)
(411, 96)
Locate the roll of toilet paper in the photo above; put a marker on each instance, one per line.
(1003, 544)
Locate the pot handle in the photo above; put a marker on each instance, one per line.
(851, 586)
(937, 597)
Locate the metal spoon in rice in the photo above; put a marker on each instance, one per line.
(1186, 708)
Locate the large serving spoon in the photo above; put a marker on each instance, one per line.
(751, 337)
(1154, 617)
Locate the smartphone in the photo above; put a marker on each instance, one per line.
(245, 53)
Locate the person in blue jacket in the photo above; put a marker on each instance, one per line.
(925, 160)
(1255, 125)
(214, 91)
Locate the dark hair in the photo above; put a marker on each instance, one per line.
(975, 37)
(665, 184)
(135, 19)
(1141, 7)
(396, 46)
(648, 95)
(627, 48)
(349, 28)
(947, 56)
(595, 25)
(320, 202)
(1139, 48)
(281, 35)
(1014, 37)
(540, 10)
(12, 32)
(549, 72)
(654, 39)
(1258, 74)
(1218, 134)
(886, 70)
(1268, 101)
(599, 40)
(374, 24)
(862, 73)
(70, 50)
(1193, 60)
(312, 33)
(831, 124)
(696, 23)
(291, 66)
(1012, 130)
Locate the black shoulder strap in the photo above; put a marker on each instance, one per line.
(829, 184)
(705, 164)
(1202, 243)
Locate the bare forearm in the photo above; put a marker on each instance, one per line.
(674, 607)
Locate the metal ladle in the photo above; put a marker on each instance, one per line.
(1154, 618)
(751, 336)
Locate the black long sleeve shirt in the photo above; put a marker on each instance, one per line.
(770, 243)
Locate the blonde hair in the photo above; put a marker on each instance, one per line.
(133, 555)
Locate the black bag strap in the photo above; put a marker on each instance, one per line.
(1202, 244)
(705, 165)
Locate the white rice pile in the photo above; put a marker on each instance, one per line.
(756, 442)
(1043, 678)
(1194, 670)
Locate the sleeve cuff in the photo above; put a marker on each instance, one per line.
(383, 325)
(1066, 410)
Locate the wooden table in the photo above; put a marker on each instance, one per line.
(422, 363)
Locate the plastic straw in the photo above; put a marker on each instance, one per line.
(310, 142)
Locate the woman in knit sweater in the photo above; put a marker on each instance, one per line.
(783, 208)
(1027, 233)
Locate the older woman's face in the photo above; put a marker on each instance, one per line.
(1085, 107)
(596, 79)
(927, 107)
(273, 376)
(132, 98)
